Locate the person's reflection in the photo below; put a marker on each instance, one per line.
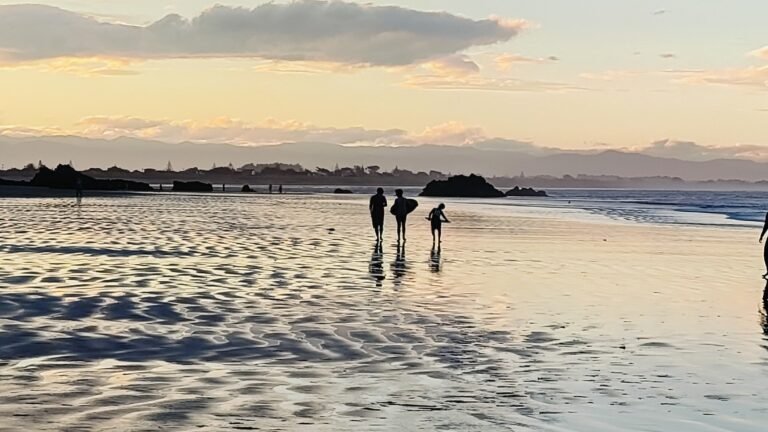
(434, 259)
(376, 268)
(400, 266)
(764, 310)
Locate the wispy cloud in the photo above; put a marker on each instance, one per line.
(748, 77)
(438, 82)
(506, 62)
(271, 131)
(307, 30)
(761, 53)
(688, 150)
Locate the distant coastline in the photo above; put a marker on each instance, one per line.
(294, 174)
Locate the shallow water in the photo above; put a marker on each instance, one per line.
(188, 312)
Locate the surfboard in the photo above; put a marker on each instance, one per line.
(410, 204)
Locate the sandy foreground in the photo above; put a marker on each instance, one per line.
(186, 312)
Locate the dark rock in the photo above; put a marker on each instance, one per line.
(342, 191)
(4, 182)
(193, 186)
(525, 192)
(472, 186)
(65, 177)
(246, 188)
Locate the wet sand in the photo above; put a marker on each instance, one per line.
(215, 312)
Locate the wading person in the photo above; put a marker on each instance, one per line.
(436, 218)
(377, 206)
(400, 210)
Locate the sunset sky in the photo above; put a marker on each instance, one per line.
(557, 73)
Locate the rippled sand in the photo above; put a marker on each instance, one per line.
(184, 312)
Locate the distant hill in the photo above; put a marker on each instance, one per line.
(486, 160)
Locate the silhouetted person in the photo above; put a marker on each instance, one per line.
(764, 311)
(376, 268)
(377, 206)
(400, 210)
(280, 189)
(765, 247)
(436, 218)
(78, 190)
(270, 188)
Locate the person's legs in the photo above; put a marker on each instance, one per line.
(765, 258)
(439, 234)
(404, 220)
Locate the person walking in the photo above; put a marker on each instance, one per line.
(376, 207)
(400, 210)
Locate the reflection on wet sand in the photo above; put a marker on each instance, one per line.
(764, 311)
(399, 265)
(189, 312)
(434, 259)
(376, 266)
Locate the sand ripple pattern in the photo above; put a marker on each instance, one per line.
(189, 312)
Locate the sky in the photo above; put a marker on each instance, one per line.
(673, 77)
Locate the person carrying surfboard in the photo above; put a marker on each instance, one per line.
(400, 210)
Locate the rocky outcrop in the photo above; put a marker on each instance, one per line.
(525, 192)
(193, 186)
(342, 191)
(472, 186)
(66, 177)
(246, 188)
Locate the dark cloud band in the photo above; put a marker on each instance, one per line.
(308, 30)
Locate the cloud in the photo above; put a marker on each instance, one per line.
(454, 66)
(451, 133)
(747, 77)
(752, 77)
(307, 30)
(228, 130)
(688, 150)
(761, 53)
(611, 75)
(436, 82)
(508, 61)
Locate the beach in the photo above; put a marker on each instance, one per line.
(216, 312)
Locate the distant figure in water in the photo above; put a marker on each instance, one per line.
(79, 190)
(377, 206)
(270, 188)
(400, 210)
(280, 189)
(436, 218)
